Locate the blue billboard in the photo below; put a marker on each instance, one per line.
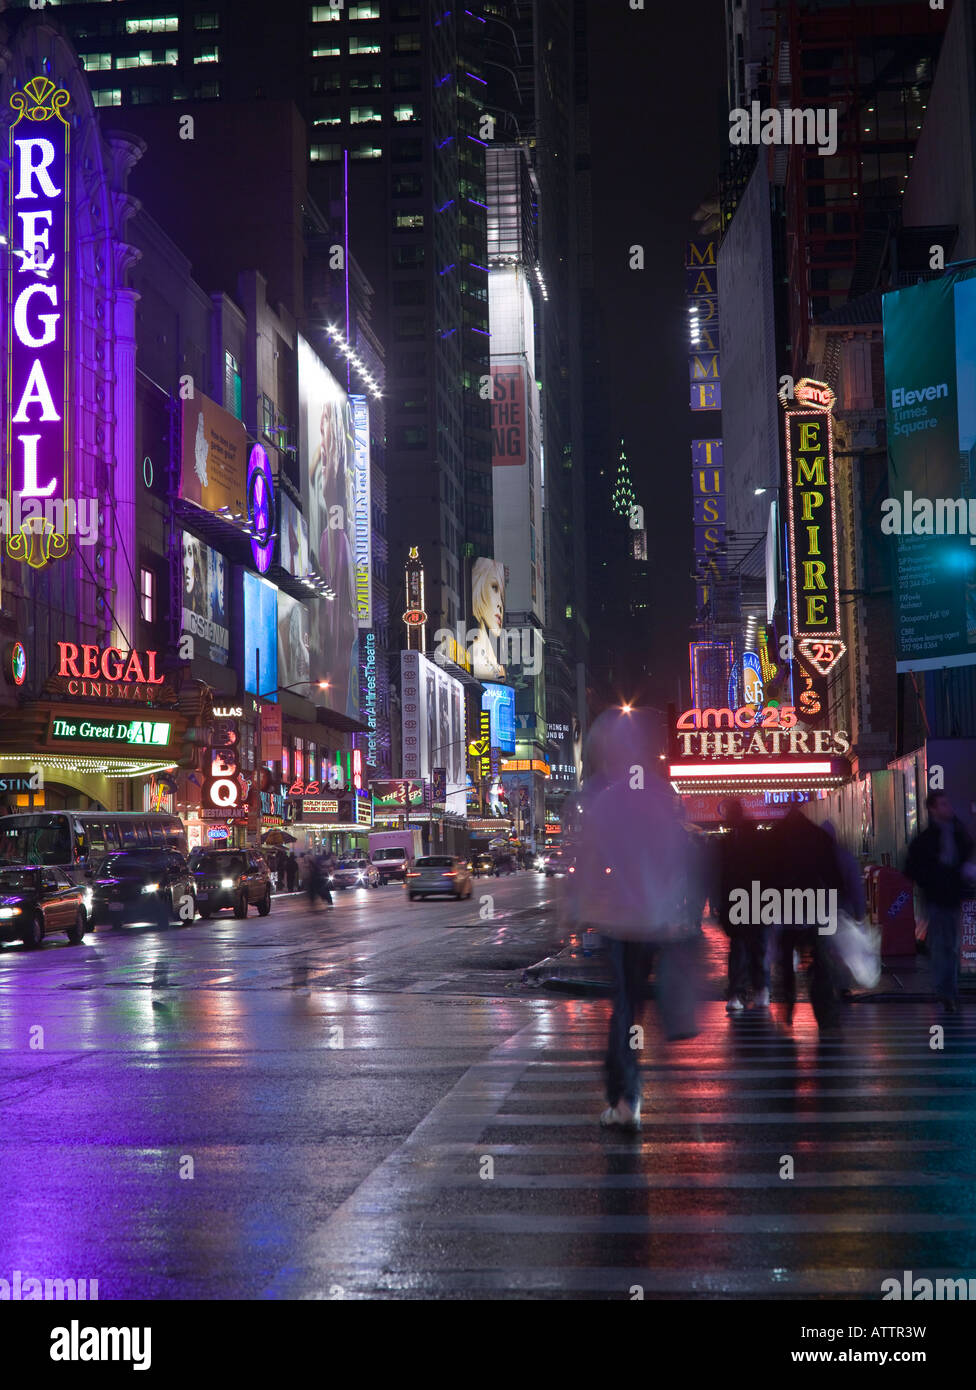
(499, 701)
(260, 634)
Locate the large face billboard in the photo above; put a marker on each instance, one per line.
(294, 665)
(930, 381)
(214, 472)
(205, 597)
(488, 616)
(433, 725)
(329, 497)
(293, 530)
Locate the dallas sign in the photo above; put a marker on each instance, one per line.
(38, 442)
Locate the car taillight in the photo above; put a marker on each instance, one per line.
(411, 875)
(450, 873)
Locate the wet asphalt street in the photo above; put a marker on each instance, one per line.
(369, 1103)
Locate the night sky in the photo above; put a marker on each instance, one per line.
(658, 117)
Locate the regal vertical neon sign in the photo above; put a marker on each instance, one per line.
(38, 418)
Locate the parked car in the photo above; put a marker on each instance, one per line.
(35, 902)
(443, 874)
(355, 873)
(234, 878)
(137, 885)
(392, 863)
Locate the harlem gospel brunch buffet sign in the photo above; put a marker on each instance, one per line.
(38, 483)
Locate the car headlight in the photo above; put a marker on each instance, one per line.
(359, 877)
(150, 887)
(87, 899)
(10, 911)
(226, 883)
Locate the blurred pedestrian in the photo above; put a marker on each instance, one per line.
(938, 862)
(739, 866)
(636, 884)
(801, 857)
(291, 871)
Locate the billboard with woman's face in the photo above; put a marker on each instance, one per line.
(488, 616)
(205, 598)
(294, 637)
(328, 492)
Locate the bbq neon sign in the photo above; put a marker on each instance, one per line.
(38, 418)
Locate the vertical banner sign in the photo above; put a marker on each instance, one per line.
(364, 581)
(508, 416)
(411, 699)
(813, 528)
(703, 361)
(38, 485)
(708, 503)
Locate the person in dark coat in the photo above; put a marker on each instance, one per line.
(291, 871)
(937, 858)
(739, 865)
(802, 857)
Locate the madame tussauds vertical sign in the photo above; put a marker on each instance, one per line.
(38, 418)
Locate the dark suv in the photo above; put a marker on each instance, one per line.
(235, 878)
(136, 885)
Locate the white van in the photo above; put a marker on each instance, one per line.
(393, 852)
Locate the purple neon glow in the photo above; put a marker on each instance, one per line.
(37, 324)
(476, 203)
(475, 78)
(475, 266)
(446, 205)
(346, 194)
(260, 507)
(484, 333)
(475, 141)
(447, 268)
(445, 142)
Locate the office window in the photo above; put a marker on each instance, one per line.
(407, 151)
(409, 326)
(165, 24)
(148, 58)
(365, 152)
(210, 54)
(321, 14)
(408, 221)
(408, 257)
(108, 96)
(360, 80)
(96, 62)
(206, 91)
(327, 120)
(147, 595)
(408, 292)
(267, 416)
(325, 154)
(418, 402)
(406, 80)
(143, 96)
(406, 111)
(326, 81)
(357, 45)
(211, 20)
(364, 115)
(413, 438)
(364, 11)
(406, 43)
(233, 393)
(326, 51)
(408, 186)
(407, 9)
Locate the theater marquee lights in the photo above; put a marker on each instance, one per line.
(814, 585)
(38, 416)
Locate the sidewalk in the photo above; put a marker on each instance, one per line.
(582, 968)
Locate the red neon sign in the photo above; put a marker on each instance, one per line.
(747, 717)
(88, 662)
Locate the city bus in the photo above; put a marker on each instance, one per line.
(72, 840)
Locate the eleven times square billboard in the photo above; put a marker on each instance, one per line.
(302, 640)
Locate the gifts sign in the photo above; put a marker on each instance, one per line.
(38, 444)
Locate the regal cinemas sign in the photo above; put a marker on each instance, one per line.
(108, 673)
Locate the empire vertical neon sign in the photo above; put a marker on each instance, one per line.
(38, 460)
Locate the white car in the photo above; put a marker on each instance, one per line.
(355, 873)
